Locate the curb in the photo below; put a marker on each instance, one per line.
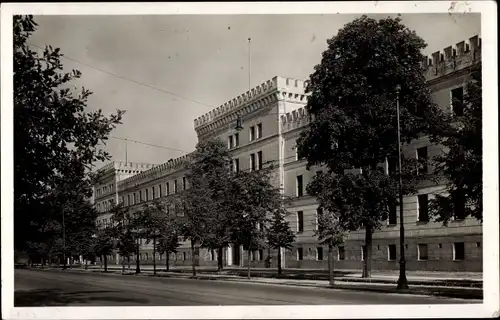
(468, 293)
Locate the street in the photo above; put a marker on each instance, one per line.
(59, 288)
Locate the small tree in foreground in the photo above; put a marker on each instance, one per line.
(168, 240)
(279, 234)
(104, 245)
(331, 233)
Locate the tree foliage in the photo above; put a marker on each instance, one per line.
(462, 164)
(57, 140)
(353, 115)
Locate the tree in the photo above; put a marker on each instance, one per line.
(462, 164)
(205, 221)
(353, 118)
(151, 219)
(103, 245)
(279, 234)
(331, 233)
(168, 241)
(57, 139)
(124, 231)
(252, 198)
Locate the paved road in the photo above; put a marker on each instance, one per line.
(59, 288)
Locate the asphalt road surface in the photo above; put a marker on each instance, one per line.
(60, 288)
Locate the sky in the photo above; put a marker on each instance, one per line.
(201, 58)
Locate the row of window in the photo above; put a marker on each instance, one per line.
(422, 252)
(104, 206)
(255, 132)
(423, 213)
(255, 162)
(152, 193)
(104, 189)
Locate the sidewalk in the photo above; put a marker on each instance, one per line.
(461, 292)
(449, 279)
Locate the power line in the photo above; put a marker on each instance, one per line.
(149, 144)
(131, 80)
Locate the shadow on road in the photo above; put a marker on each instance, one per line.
(56, 297)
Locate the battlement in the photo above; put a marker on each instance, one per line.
(155, 172)
(234, 104)
(121, 165)
(295, 119)
(452, 58)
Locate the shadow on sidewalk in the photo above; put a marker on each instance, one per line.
(57, 297)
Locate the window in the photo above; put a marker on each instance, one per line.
(459, 208)
(319, 212)
(422, 159)
(252, 162)
(259, 160)
(363, 252)
(230, 142)
(393, 214)
(259, 131)
(159, 191)
(300, 254)
(167, 187)
(236, 165)
(183, 256)
(261, 254)
(319, 253)
(122, 200)
(153, 193)
(422, 252)
(236, 139)
(458, 251)
(147, 195)
(184, 183)
(212, 255)
(341, 253)
(423, 211)
(457, 101)
(300, 221)
(300, 186)
(391, 252)
(252, 133)
(128, 200)
(175, 186)
(392, 165)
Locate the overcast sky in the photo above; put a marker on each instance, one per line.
(203, 58)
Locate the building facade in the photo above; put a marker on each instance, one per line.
(273, 115)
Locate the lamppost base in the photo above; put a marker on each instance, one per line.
(402, 281)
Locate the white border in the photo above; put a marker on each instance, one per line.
(490, 161)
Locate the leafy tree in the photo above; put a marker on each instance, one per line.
(205, 221)
(56, 140)
(462, 164)
(352, 109)
(252, 198)
(123, 233)
(331, 233)
(279, 234)
(103, 245)
(151, 219)
(168, 241)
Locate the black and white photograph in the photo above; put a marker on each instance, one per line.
(257, 160)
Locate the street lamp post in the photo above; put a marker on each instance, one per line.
(402, 281)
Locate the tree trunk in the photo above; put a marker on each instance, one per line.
(105, 263)
(123, 264)
(128, 260)
(330, 265)
(192, 258)
(248, 262)
(86, 264)
(279, 261)
(137, 263)
(167, 258)
(154, 256)
(219, 259)
(368, 250)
